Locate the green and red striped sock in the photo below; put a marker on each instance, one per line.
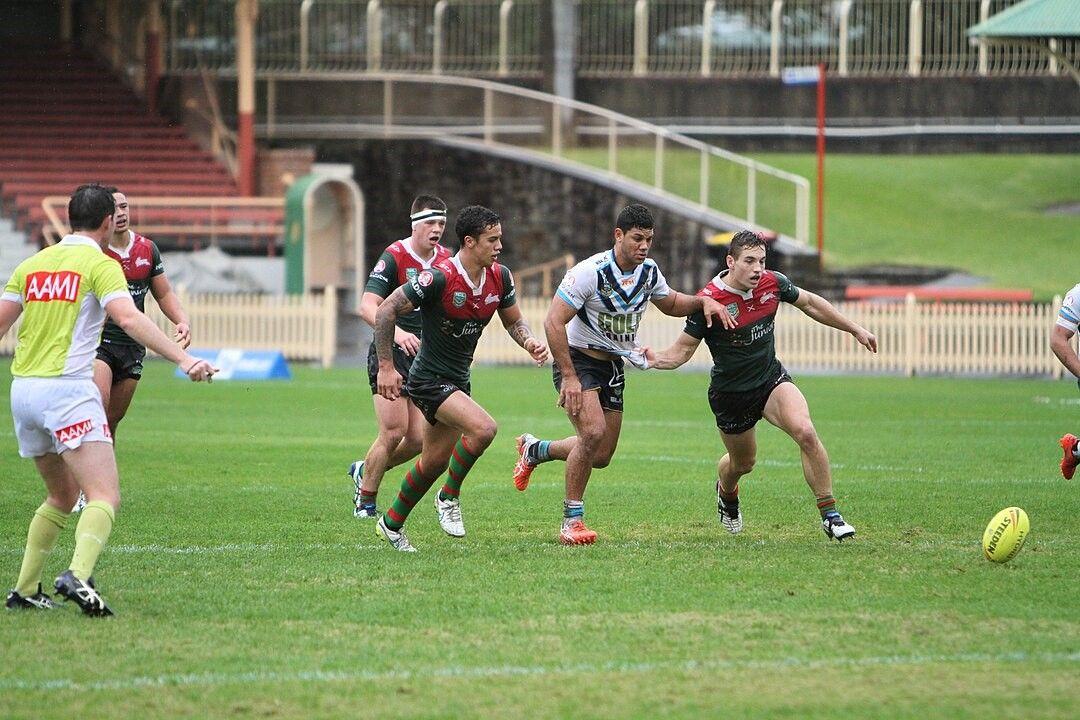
(461, 462)
(413, 487)
(826, 505)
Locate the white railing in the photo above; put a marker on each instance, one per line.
(914, 339)
(302, 327)
(500, 37)
(722, 188)
(615, 37)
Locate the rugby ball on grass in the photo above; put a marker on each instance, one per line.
(1005, 535)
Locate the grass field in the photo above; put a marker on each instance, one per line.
(244, 588)
(983, 214)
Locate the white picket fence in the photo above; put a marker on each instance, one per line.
(914, 338)
(302, 327)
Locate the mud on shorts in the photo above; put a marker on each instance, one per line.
(737, 412)
(402, 363)
(605, 376)
(429, 395)
(56, 414)
(125, 361)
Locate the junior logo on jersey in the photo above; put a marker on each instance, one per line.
(46, 286)
(74, 431)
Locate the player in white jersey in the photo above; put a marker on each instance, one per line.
(591, 327)
(1061, 343)
(63, 294)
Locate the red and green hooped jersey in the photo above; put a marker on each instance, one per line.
(454, 313)
(141, 262)
(396, 266)
(63, 291)
(743, 358)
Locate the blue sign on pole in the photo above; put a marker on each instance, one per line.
(244, 364)
(806, 75)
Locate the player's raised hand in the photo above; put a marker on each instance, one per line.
(201, 371)
(182, 336)
(712, 309)
(407, 342)
(538, 350)
(570, 395)
(388, 383)
(867, 339)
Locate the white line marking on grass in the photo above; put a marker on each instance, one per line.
(1043, 400)
(139, 682)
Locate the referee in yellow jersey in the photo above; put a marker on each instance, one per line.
(64, 293)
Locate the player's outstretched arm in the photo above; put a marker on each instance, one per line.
(123, 312)
(675, 356)
(518, 329)
(9, 313)
(1059, 343)
(559, 314)
(825, 312)
(389, 379)
(169, 302)
(677, 304)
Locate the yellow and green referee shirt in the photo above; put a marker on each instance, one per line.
(63, 290)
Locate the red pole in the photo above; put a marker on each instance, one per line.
(821, 165)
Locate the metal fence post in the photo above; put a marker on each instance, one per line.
(845, 18)
(489, 116)
(703, 178)
(658, 169)
(984, 51)
(706, 37)
(641, 37)
(612, 147)
(305, 33)
(1052, 65)
(915, 38)
(438, 40)
(505, 8)
(802, 211)
(374, 35)
(388, 107)
(751, 193)
(271, 101)
(775, 18)
(556, 130)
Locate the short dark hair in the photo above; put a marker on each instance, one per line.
(474, 220)
(89, 206)
(634, 216)
(744, 240)
(111, 189)
(427, 202)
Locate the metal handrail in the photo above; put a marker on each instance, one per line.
(616, 124)
(56, 227)
(545, 271)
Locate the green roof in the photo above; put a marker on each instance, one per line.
(1033, 19)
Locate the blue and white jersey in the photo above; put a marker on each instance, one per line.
(609, 302)
(1069, 315)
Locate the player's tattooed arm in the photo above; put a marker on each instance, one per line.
(396, 305)
(518, 329)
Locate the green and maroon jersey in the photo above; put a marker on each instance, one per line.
(396, 266)
(744, 358)
(454, 313)
(141, 262)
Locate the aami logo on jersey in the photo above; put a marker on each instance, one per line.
(46, 286)
(73, 431)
